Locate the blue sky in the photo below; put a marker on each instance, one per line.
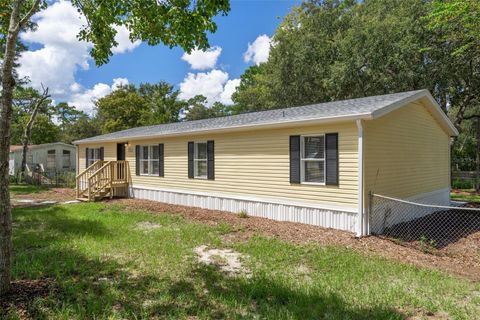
(57, 59)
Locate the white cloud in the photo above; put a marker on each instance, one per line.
(203, 60)
(118, 82)
(61, 54)
(228, 90)
(85, 99)
(123, 40)
(214, 85)
(259, 50)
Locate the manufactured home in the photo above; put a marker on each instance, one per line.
(312, 164)
(47, 157)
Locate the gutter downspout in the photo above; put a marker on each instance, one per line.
(361, 211)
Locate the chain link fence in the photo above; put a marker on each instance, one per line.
(420, 225)
(51, 178)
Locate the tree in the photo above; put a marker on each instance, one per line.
(122, 109)
(84, 127)
(176, 22)
(252, 94)
(66, 114)
(456, 25)
(163, 101)
(27, 133)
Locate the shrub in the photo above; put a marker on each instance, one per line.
(462, 184)
(243, 214)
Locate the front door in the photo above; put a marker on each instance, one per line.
(120, 151)
(120, 174)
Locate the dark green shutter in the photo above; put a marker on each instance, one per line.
(331, 158)
(161, 162)
(211, 160)
(101, 153)
(191, 150)
(86, 158)
(294, 159)
(137, 160)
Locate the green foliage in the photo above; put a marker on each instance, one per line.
(340, 49)
(197, 109)
(462, 184)
(181, 23)
(122, 109)
(457, 21)
(44, 129)
(253, 93)
(163, 102)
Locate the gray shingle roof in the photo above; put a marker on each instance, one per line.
(337, 109)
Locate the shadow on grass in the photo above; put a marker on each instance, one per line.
(55, 220)
(91, 288)
(100, 287)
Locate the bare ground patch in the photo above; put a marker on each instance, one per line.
(463, 263)
(226, 260)
(22, 293)
(52, 194)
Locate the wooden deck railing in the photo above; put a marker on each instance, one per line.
(101, 178)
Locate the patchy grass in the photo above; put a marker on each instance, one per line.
(105, 267)
(19, 189)
(467, 195)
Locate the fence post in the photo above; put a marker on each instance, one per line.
(369, 213)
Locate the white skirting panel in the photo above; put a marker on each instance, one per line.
(325, 216)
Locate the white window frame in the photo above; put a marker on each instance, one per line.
(150, 160)
(196, 160)
(96, 156)
(303, 160)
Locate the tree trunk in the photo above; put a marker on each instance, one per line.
(27, 133)
(8, 84)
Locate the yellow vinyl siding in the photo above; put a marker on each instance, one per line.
(109, 153)
(251, 163)
(409, 150)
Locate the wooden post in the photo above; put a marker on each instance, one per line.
(477, 178)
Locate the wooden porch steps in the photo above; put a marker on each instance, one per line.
(102, 180)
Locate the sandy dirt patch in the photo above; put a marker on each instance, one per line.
(227, 260)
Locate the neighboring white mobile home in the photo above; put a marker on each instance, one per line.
(313, 164)
(48, 157)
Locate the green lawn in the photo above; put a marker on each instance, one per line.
(25, 189)
(467, 195)
(106, 267)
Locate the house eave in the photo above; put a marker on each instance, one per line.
(272, 125)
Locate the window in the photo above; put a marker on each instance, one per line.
(149, 160)
(200, 160)
(313, 159)
(51, 159)
(66, 159)
(93, 155)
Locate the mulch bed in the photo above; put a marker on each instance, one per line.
(22, 293)
(53, 194)
(452, 259)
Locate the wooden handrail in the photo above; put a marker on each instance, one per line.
(89, 168)
(101, 177)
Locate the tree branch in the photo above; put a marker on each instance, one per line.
(29, 14)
